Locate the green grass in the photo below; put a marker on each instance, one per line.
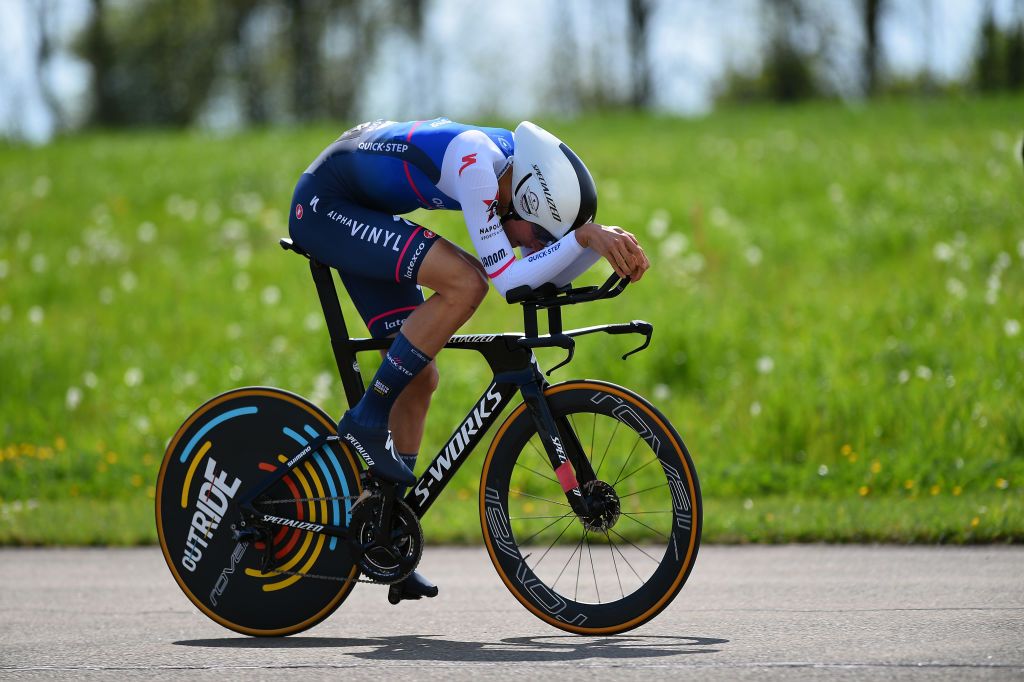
(837, 293)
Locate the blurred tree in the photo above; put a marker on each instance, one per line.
(871, 11)
(987, 64)
(789, 70)
(45, 49)
(639, 13)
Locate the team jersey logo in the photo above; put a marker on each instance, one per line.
(427, 234)
(298, 211)
(492, 207)
(467, 161)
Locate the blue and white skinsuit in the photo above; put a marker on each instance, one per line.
(347, 205)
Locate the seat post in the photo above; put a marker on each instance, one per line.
(348, 369)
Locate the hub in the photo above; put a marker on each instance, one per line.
(604, 506)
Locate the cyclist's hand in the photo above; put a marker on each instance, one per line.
(619, 247)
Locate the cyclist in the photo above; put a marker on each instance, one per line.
(523, 190)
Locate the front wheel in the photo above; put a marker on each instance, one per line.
(626, 560)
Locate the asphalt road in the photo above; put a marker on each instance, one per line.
(747, 613)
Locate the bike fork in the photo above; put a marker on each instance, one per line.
(562, 447)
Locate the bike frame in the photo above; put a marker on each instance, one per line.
(515, 368)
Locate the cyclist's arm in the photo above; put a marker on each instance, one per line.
(574, 269)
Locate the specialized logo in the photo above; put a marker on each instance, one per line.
(359, 449)
(313, 202)
(547, 194)
(494, 258)
(458, 442)
(301, 525)
(467, 161)
(211, 504)
(383, 147)
(298, 211)
(474, 338)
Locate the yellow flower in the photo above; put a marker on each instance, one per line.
(935, 490)
(846, 450)
(111, 457)
(863, 491)
(957, 490)
(975, 521)
(1002, 483)
(908, 484)
(60, 443)
(150, 492)
(876, 466)
(136, 480)
(853, 457)
(45, 452)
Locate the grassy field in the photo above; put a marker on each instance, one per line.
(837, 293)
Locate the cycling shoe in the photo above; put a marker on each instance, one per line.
(377, 450)
(413, 587)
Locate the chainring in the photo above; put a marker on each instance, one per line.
(395, 561)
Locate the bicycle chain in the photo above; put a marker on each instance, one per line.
(318, 576)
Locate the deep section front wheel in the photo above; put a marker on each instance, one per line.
(623, 562)
(227, 448)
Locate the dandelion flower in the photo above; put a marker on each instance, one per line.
(823, 470)
(1011, 328)
(863, 491)
(132, 377)
(903, 377)
(270, 295)
(35, 315)
(876, 466)
(908, 484)
(943, 252)
(765, 364)
(923, 372)
(975, 521)
(72, 399)
(957, 490)
(1002, 483)
(935, 490)
(755, 408)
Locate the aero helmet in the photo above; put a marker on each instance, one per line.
(551, 187)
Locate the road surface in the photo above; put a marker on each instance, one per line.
(747, 613)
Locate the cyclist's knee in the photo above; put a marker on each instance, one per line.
(454, 274)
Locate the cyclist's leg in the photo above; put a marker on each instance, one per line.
(460, 285)
(385, 308)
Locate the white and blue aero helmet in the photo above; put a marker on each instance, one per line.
(550, 185)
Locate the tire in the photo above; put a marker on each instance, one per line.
(242, 436)
(623, 569)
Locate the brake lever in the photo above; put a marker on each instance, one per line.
(639, 327)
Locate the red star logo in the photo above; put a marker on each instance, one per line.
(492, 206)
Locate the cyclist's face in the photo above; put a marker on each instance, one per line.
(521, 233)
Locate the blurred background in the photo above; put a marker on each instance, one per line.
(829, 191)
(67, 64)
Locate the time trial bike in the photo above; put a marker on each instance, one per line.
(589, 502)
